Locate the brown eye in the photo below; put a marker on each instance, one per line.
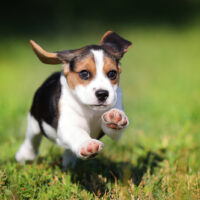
(112, 74)
(84, 74)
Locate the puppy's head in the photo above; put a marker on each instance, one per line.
(92, 72)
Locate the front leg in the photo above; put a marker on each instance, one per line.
(114, 123)
(79, 142)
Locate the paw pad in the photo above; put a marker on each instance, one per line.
(115, 119)
(91, 148)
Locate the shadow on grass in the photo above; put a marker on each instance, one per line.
(94, 174)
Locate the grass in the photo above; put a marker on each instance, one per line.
(158, 155)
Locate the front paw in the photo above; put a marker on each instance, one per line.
(115, 119)
(90, 148)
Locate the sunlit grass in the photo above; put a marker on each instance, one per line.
(158, 156)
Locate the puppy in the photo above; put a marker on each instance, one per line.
(76, 107)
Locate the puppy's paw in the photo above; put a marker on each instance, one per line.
(90, 148)
(115, 119)
(25, 154)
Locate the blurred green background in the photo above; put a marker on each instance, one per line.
(158, 156)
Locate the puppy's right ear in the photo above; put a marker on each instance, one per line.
(54, 58)
(115, 44)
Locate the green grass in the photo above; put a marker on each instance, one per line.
(158, 155)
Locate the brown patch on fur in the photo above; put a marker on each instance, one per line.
(44, 56)
(110, 64)
(86, 63)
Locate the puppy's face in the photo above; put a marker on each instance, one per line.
(93, 79)
(92, 72)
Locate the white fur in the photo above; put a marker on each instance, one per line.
(113, 133)
(79, 121)
(49, 131)
(86, 94)
(29, 149)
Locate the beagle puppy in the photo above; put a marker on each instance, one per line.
(77, 106)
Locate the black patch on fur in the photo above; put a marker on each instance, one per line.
(115, 45)
(83, 52)
(94, 47)
(45, 102)
(101, 134)
(72, 56)
(71, 65)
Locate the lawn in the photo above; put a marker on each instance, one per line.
(158, 156)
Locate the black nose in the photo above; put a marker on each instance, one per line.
(101, 95)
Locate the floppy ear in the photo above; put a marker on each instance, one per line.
(114, 44)
(44, 56)
(54, 58)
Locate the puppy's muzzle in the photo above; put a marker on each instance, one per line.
(102, 95)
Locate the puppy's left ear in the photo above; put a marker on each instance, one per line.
(115, 44)
(57, 57)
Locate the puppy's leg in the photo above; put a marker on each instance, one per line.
(115, 120)
(90, 148)
(79, 142)
(29, 149)
(69, 158)
(114, 123)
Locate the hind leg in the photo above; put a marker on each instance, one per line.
(69, 159)
(29, 149)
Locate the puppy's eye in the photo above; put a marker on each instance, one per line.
(112, 74)
(84, 74)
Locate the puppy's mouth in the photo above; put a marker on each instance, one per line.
(99, 106)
